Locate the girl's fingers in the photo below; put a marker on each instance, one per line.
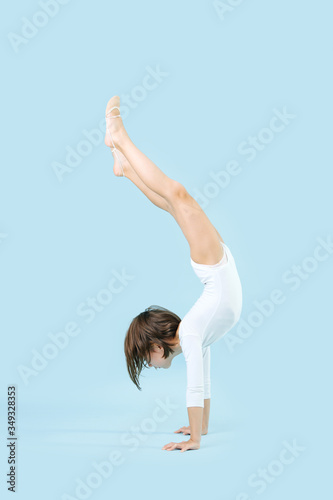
(183, 446)
(183, 429)
(169, 446)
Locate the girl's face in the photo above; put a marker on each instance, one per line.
(157, 360)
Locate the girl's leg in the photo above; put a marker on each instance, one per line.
(130, 173)
(148, 172)
(203, 238)
(155, 198)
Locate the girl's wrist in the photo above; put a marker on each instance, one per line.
(195, 440)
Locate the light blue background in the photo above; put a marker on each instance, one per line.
(62, 240)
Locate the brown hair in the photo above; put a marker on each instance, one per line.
(155, 325)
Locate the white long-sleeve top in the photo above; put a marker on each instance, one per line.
(216, 311)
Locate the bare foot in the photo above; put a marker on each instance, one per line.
(114, 126)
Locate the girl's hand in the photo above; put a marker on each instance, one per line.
(187, 430)
(183, 446)
(184, 430)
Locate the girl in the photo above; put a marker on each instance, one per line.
(157, 335)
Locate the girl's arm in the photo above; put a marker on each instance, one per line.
(192, 349)
(195, 416)
(193, 352)
(205, 418)
(206, 366)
